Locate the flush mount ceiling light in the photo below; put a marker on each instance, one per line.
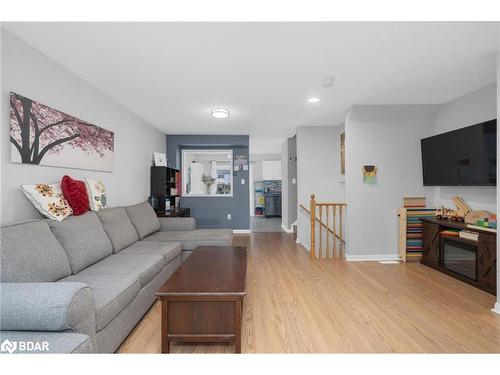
(313, 100)
(219, 112)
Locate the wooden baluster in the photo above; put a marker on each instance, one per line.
(313, 226)
(334, 231)
(341, 254)
(320, 254)
(327, 231)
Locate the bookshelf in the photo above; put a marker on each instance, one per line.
(410, 227)
(166, 186)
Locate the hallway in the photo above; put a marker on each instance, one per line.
(262, 224)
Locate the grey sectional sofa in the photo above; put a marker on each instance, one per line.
(82, 284)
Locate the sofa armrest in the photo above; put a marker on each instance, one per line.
(177, 223)
(47, 306)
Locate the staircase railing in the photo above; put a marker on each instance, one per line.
(323, 210)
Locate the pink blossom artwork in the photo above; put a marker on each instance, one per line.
(42, 135)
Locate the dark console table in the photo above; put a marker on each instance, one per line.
(178, 212)
(473, 262)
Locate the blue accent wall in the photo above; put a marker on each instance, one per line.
(211, 212)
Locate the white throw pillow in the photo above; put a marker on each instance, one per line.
(49, 200)
(97, 194)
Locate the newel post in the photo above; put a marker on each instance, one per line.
(313, 226)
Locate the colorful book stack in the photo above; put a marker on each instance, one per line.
(411, 226)
(178, 183)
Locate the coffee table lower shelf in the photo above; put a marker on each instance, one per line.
(201, 320)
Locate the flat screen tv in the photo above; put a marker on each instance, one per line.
(463, 157)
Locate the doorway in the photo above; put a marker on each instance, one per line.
(265, 193)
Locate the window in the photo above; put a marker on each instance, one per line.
(207, 173)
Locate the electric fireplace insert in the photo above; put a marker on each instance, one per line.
(459, 257)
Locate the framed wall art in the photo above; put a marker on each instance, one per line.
(42, 135)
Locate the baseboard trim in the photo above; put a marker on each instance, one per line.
(242, 231)
(301, 245)
(286, 230)
(370, 258)
(496, 309)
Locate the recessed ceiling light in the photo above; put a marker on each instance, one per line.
(219, 112)
(313, 100)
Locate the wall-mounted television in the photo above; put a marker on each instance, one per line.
(463, 157)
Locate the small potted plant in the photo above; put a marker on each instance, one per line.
(208, 181)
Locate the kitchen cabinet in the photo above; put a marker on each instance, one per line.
(271, 170)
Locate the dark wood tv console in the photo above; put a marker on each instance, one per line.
(484, 250)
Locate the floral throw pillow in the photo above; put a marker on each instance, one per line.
(97, 194)
(48, 199)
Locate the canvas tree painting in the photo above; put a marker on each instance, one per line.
(42, 135)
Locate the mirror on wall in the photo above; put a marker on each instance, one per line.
(207, 173)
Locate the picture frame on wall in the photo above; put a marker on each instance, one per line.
(160, 159)
(43, 135)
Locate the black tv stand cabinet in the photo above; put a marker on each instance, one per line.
(484, 249)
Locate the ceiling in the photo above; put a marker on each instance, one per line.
(172, 74)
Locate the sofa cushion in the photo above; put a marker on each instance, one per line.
(75, 193)
(97, 194)
(48, 199)
(168, 250)
(190, 239)
(118, 227)
(142, 267)
(83, 239)
(30, 253)
(144, 219)
(112, 294)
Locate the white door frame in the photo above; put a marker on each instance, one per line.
(251, 189)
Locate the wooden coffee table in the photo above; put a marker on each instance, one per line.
(203, 300)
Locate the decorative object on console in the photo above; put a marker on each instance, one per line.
(160, 159)
(48, 199)
(482, 218)
(75, 193)
(208, 181)
(97, 194)
(410, 227)
(42, 135)
(464, 213)
(370, 175)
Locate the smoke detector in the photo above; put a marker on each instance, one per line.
(328, 82)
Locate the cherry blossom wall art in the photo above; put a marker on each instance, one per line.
(42, 135)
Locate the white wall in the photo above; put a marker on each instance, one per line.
(285, 184)
(289, 182)
(318, 171)
(388, 137)
(28, 72)
(470, 109)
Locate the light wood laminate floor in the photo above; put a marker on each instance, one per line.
(298, 305)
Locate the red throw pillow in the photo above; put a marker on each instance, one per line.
(76, 194)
